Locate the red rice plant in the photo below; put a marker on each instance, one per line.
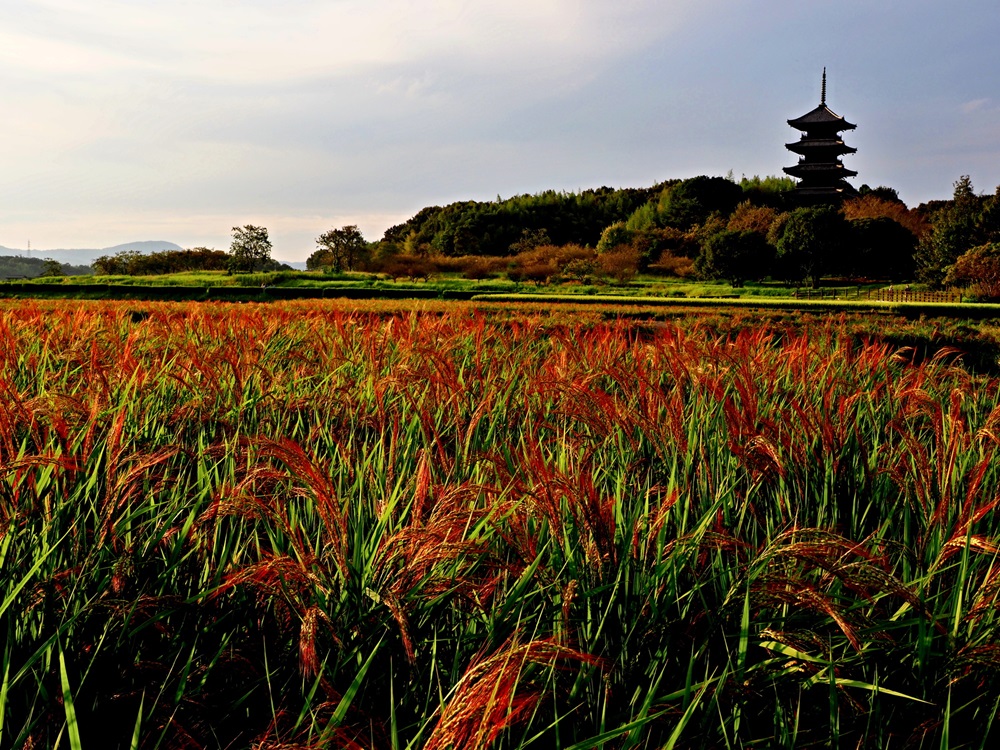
(496, 693)
(569, 501)
(428, 559)
(319, 488)
(800, 568)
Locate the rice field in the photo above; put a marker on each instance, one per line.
(304, 525)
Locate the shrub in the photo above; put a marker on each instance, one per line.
(484, 268)
(546, 262)
(408, 266)
(670, 264)
(540, 273)
(621, 265)
(978, 271)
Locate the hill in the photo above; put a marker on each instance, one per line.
(17, 266)
(84, 256)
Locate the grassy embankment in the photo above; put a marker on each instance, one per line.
(643, 285)
(298, 525)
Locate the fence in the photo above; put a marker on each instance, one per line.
(882, 295)
(906, 295)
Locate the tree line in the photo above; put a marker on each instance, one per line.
(705, 227)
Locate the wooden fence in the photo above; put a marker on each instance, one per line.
(883, 295)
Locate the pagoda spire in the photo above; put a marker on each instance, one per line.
(822, 96)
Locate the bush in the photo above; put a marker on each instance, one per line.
(621, 265)
(483, 269)
(540, 273)
(470, 266)
(409, 266)
(670, 264)
(546, 262)
(977, 271)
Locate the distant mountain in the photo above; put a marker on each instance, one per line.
(85, 256)
(148, 246)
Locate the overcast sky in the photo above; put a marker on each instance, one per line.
(124, 120)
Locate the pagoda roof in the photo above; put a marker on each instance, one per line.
(814, 145)
(823, 117)
(814, 191)
(819, 171)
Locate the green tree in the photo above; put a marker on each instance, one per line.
(529, 240)
(881, 249)
(811, 243)
(107, 265)
(693, 200)
(52, 268)
(122, 263)
(642, 219)
(338, 249)
(614, 236)
(955, 229)
(767, 191)
(735, 256)
(250, 250)
(989, 219)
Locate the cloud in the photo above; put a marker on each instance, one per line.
(236, 41)
(974, 105)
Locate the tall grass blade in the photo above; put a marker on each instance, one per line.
(72, 727)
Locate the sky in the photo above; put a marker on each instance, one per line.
(128, 120)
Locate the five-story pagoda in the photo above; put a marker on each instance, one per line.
(822, 176)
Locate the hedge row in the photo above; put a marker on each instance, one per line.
(978, 311)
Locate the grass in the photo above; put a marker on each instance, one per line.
(642, 285)
(308, 525)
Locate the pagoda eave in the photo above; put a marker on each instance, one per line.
(820, 171)
(820, 146)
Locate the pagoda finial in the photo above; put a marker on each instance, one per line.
(822, 96)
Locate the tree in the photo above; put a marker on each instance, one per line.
(250, 250)
(122, 263)
(750, 218)
(529, 240)
(872, 205)
(977, 270)
(811, 243)
(881, 192)
(955, 229)
(52, 268)
(767, 191)
(338, 249)
(989, 219)
(882, 249)
(614, 236)
(736, 256)
(693, 200)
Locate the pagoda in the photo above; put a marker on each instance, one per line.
(822, 176)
